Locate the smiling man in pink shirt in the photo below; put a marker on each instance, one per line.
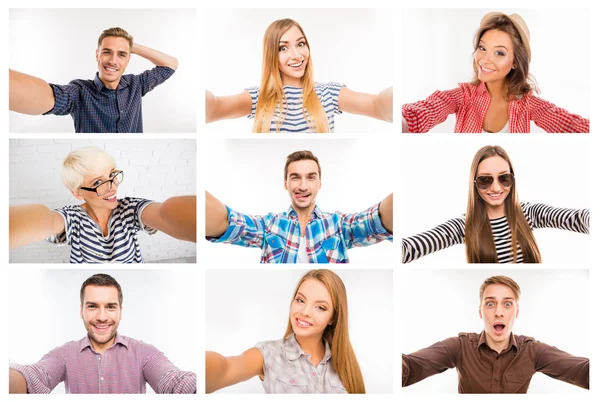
(103, 362)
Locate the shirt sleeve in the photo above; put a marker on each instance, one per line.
(253, 91)
(150, 79)
(66, 99)
(545, 216)
(364, 228)
(163, 376)
(422, 116)
(46, 374)
(553, 119)
(435, 359)
(132, 214)
(329, 95)
(72, 225)
(562, 366)
(243, 230)
(443, 236)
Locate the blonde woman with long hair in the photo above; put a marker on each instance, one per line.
(288, 99)
(497, 228)
(316, 343)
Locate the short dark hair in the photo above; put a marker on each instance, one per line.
(300, 156)
(101, 280)
(117, 32)
(500, 280)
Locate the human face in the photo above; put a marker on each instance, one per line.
(106, 201)
(495, 194)
(303, 183)
(494, 56)
(293, 56)
(101, 314)
(498, 310)
(312, 309)
(113, 57)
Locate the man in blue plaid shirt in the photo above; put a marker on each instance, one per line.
(111, 102)
(304, 233)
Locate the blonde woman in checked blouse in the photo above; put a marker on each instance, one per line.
(314, 355)
(500, 98)
(497, 228)
(288, 100)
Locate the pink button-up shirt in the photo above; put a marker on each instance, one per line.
(125, 368)
(470, 103)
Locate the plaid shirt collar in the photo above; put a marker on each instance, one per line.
(85, 342)
(293, 350)
(316, 213)
(100, 85)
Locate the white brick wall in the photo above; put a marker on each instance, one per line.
(154, 169)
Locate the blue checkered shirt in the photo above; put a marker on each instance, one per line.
(97, 109)
(329, 236)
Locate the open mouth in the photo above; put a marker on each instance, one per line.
(110, 69)
(486, 70)
(499, 328)
(112, 198)
(302, 323)
(495, 196)
(296, 65)
(102, 328)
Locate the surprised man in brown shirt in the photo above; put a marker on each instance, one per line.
(495, 361)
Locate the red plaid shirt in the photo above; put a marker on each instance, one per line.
(470, 104)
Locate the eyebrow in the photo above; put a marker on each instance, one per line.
(316, 301)
(108, 304)
(489, 174)
(297, 40)
(482, 42)
(308, 174)
(504, 298)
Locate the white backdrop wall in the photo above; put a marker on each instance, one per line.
(247, 176)
(554, 309)
(348, 46)
(58, 45)
(437, 47)
(554, 170)
(154, 169)
(244, 307)
(155, 310)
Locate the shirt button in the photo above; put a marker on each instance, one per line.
(497, 357)
(291, 381)
(101, 378)
(314, 374)
(99, 358)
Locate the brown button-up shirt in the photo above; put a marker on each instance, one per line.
(483, 370)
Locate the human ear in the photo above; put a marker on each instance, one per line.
(97, 55)
(77, 195)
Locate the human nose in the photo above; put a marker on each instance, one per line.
(306, 310)
(101, 316)
(294, 52)
(495, 185)
(499, 311)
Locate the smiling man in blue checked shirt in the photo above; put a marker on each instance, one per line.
(302, 234)
(111, 102)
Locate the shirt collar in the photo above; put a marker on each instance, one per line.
(293, 350)
(99, 84)
(316, 213)
(85, 342)
(513, 341)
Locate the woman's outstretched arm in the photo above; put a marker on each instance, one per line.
(31, 223)
(227, 107)
(224, 371)
(378, 106)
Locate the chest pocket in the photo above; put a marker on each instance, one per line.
(274, 248)
(291, 384)
(517, 378)
(336, 386)
(328, 250)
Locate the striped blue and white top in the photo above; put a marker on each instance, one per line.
(89, 245)
(294, 119)
(452, 232)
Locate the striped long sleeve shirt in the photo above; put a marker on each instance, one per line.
(125, 368)
(294, 121)
(452, 232)
(328, 235)
(470, 103)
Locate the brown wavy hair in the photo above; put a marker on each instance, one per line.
(518, 81)
(479, 239)
(336, 334)
(272, 103)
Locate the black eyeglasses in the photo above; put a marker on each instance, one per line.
(484, 182)
(106, 186)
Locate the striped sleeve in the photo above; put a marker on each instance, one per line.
(443, 236)
(46, 374)
(253, 91)
(364, 228)
(553, 119)
(329, 94)
(244, 230)
(163, 376)
(545, 216)
(131, 215)
(422, 116)
(72, 219)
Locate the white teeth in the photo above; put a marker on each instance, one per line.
(111, 69)
(295, 65)
(303, 323)
(112, 197)
(486, 70)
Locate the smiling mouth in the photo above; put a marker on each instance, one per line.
(486, 70)
(112, 198)
(101, 328)
(297, 65)
(495, 196)
(302, 196)
(110, 69)
(302, 323)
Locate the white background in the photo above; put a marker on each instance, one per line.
(554, 309)
(553, 169)
(153, 169)
(247, 176)
(59, 45)
(437, 47)
(239, 316)
(156, 305)
(347, 46)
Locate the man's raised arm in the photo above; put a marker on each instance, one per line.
(28, 94)
(154, 56)
(386, 213)
(217, 221)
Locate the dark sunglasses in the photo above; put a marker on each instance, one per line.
(484, 182)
